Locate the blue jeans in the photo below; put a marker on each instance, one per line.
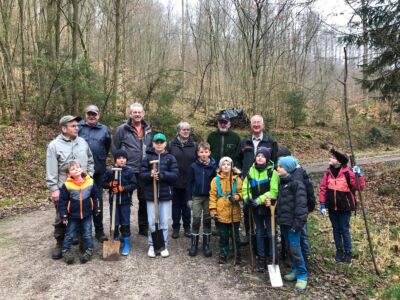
(263, 233)
(180, 209)
(85, 227)
(305, 242)
(341, 229)
(164, 211)
(292, 239)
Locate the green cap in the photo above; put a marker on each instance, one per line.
(159, 137)
(66, 119)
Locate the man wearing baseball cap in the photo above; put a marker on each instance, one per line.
(97, 135)
(66, 147)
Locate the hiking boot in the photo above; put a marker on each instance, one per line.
(175, 233)
(222, 260)
(100, 236)
(206, 244)
(339, 257)
(57, 253)
(151, 252)
(188, 233)
(261, 264)
(347, 257)
(68, 257)
(85, 257)
(195, 245)
(127, 247)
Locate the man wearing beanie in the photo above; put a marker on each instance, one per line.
(123, 189)
(292, 216)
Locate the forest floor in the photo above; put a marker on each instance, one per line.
(27, 271)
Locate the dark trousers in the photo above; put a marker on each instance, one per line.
(263, 234)
(59, 227)
(246, 218)
(225, 232)
(341, 229)
(98, 219)
(122, 219)
(142, 211)
(180, 209)
(84, 226)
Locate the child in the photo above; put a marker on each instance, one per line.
(225, 192)
(166, 174)
(200, 175)
(78, 199)
(291, 216)
(122, 188)
(260, 185)
(336, 195)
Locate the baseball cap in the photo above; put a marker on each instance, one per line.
(223, 117)
(92, 108)
(159, 137)
(66, 119)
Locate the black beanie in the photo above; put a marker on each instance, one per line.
(264, 151)
(119, 153)
(283, 152)
(341, 157)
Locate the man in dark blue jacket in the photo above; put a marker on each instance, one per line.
(98, 137)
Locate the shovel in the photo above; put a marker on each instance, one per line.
(273, 270)
(157, 236)
(111, 247)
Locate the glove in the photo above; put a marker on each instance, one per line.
(232, 198)
(356, 170)
(323, 210)
(113, 183)
(190, 204)
(248, 201)
(255, 202)
(215, 218)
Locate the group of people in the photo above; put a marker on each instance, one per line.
(197, 183)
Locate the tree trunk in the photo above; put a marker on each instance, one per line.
(117, 53)
(22, 29)
(74, 93)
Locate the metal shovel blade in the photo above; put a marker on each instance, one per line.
(158, 239)
(275, 276)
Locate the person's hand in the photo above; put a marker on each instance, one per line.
(121, 188)
(255, 202)
(215, 218)
(323, 210)
(356, 170)
(154, 174)
(267, 202)
(190, 204)
(55, 195)
(232, 198)
(97, 212)
(113, 183)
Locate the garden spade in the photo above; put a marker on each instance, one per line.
(111, 247)
(157, 236)
(273, 270)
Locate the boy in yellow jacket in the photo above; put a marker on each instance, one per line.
(225, 195)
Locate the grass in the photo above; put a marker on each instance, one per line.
(7, 202)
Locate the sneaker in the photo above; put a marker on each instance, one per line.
(301, 285)
(222, 260)
(347, 257)
(85, 257)
(68, 258)
(188, 233)
(151, 252)
(175, 233)
(290, 277)
(164, 253)
(339, 257)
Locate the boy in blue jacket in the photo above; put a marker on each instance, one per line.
(200, 174)
(78, 199)
(123, 188)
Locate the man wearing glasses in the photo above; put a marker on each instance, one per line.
(66, 147)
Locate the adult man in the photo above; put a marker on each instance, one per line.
(134, 137)
(247, 150)
(66, 147)
(98, 137)
(223, 141)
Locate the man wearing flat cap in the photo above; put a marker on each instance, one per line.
(66, 147)
(98, 137)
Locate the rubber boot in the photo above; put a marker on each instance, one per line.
(206, 245)
(57, 253)
(195, 245)
(127, 247)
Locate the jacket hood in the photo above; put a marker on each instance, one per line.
(85, 179)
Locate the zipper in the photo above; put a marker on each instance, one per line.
(334, 195)
(80, 202)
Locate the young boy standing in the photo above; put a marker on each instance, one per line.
(225, 194)
(123, 189)
(200, 175)
(259, 186)
(78, 200)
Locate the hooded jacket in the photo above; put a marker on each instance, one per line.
(168, 175)
(127, 181)
(126, 138)
(199, 178)
(59, 153)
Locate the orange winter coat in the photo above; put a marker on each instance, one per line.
(221, 206)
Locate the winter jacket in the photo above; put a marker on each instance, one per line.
(78, 200)
(99, 140)
(126, 138)
(127, 180)
(168, 175)
(220, 205)
(223, 144)
(261, 185)
(185, 155)
(301, 174)
(292, 203)
(245, 154)
(60, 152)
(199, 178)
(336, 193)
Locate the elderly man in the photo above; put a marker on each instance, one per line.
(247, 150)
(66, 147)
(134, 137)
(223, 141)
(98, 137)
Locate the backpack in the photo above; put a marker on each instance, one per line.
(219, 188)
